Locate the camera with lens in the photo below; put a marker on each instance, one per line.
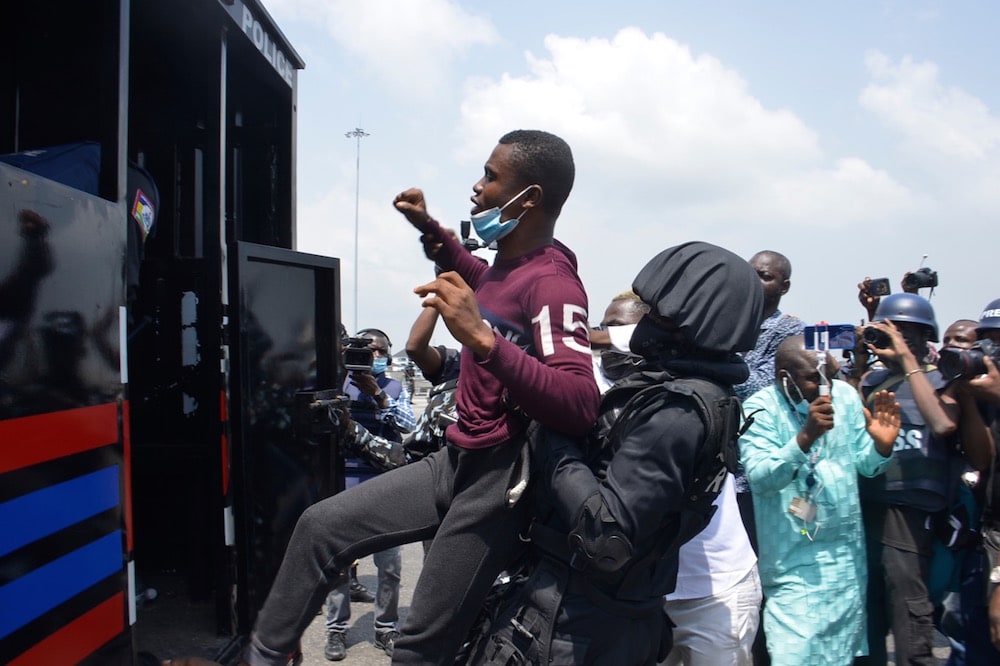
(920, 278)
(357, 355)
(965, 363)
(876, 337)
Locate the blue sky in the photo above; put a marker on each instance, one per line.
(854, 137)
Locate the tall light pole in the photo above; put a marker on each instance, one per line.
(357, 133)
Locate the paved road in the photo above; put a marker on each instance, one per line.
(360, 650)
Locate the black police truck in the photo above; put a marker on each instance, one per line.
(157, 330)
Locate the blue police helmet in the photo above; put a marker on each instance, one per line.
(990, 316)
(908, 307)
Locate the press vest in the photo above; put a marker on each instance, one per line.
(923, 469)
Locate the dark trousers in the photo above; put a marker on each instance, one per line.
(455, 496)
(973, 615)
(898, 599)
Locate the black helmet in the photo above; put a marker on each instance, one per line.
(990, 318)
(907, 307)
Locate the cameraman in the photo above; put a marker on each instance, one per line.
(938, 423)
(439, 365)
(986, 388)
(382, 406)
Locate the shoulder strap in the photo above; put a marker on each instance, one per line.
(393, 388)
(718, 408)
(891, 380)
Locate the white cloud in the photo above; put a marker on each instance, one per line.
(655, 127)
(409, 45)
(909, 97)
(673, 145)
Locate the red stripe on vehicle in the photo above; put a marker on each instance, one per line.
(127, 467)
(80, 638)
(31, 440)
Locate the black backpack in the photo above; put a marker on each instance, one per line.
(636, 398)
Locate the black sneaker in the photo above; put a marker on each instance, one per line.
(385, 640)
(360, 593)
(336, 646)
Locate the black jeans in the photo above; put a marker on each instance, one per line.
(456, 496)
(897, 597)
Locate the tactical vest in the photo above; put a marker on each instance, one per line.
(922, 472)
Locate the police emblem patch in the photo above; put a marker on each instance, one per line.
(143, 212)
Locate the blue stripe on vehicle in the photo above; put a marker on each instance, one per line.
(30, 596)
(38, 514)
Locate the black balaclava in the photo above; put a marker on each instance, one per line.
(712, 295)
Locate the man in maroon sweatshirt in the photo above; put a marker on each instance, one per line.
(526, 355)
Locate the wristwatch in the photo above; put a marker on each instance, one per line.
(379, 397)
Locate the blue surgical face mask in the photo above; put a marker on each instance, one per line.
(379, 365)
(488, 225)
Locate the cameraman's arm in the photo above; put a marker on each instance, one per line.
(977, 441)
(940, 410)
(418, 345)
(860, 359)
(868, 301)
(399, 411)
(986, 387)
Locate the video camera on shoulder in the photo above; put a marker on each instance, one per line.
(357, 355)
(965, 363)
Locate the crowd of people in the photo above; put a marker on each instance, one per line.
(695, 481)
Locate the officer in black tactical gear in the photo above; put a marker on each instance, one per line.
(613, 510)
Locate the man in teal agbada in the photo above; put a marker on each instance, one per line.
(802, 455)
